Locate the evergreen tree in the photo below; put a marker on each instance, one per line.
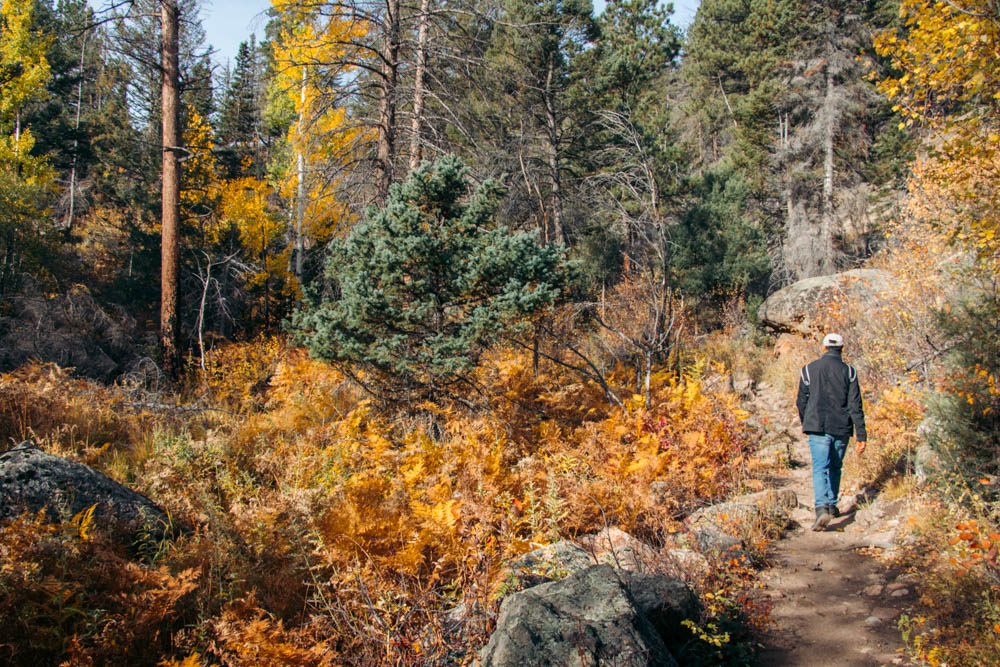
(418, 291)
(238, 132)
(636, 47)
(535, 61)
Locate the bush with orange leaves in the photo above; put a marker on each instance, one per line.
(68, 594)
(323, 529)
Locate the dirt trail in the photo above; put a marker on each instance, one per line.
(834, 602)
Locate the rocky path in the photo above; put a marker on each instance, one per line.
(834, 601)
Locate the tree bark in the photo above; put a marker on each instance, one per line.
(386, 150)
(825, 241)
(76, 140)
(552, 150)
(170, 220)
(300, 197)
(828, 137)
(416, 146)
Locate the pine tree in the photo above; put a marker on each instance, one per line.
(419, 290)
(535, 56)
(239, 130)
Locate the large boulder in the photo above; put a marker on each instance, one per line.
(721, 528)
(588, 618)
(795, 307)
(548, 563)
(32, 480)
(665, 602)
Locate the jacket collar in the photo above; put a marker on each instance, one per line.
(835, 352)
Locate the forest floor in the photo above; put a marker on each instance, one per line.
(835, 600)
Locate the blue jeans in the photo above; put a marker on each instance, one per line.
(827, 460)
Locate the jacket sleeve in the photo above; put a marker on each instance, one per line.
(855, 408)
(802, 400)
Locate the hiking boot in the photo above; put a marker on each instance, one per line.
(822, 518)
(834, 511)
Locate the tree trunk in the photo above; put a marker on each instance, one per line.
(552, 150)
(828, 132)
(386, 150)
(300, 198)
(170, 221)
(76, 141)
(416, 146)
(825, 240)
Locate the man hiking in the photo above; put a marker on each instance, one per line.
(829, 404)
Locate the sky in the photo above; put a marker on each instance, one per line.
(229, 22)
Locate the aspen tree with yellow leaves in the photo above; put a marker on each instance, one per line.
(312, 59)
(229, 222)
(24, 177)
(24, 70)
(949, 84)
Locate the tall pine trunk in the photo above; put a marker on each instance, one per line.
(170, 220)
(386, 150)
(824, 250)
(416, 147)
(76, 140)
(552, 155)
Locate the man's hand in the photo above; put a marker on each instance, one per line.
(861, 446)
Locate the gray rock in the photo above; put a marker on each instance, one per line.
(743, 385)
(886, 613)
(793, 308)
(71, 330)
(588, 618)
(716, 542)
(32, 480)
(721, 528)
(685, 564)
(765, 510)
(555, 561)
(613, 546)
(665, 602)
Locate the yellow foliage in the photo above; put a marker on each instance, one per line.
(217, 210)
(72, 417)
(22, 53)
(83, 521)
(314, 48)
(237, 374)
(949, 82)
(193, 660)
(319, 500)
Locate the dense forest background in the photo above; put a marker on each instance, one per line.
(750, 153)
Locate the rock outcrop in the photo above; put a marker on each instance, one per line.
(32, 480)
(665, 602)
(71, 330)
(587, 618)
(720, 528)
(794, 308)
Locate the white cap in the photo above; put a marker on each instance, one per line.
(833, 340)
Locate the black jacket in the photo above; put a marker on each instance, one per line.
(829, 399)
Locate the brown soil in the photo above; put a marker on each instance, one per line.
(834, 601)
